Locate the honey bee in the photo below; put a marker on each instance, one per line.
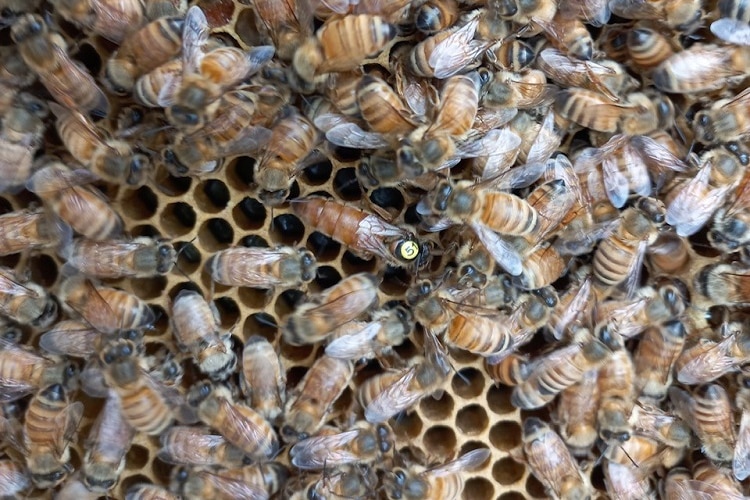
(619, 257)
(383, 109)
(106, 446)
(722, 283)
(708, 412)
(28, 230)
(392, 393)
(263, 379)
(346, 482)
(196, 329)
(560, 369)
(45, 54)
(732, 26)
(361, 444)
(159, 85)
(626, 482)
(341, 44)
(198, 447)
(715, 481)
(25, 303)
(593, 12)
(729, 228)
(293, 138)
(207, 76)
(653, 423)
(567, 34)
(617, 397)
(524, 12)
(447, 52)
(143, 257)
(111, 19)
(651, 306)
(524, 90)
(510, 55)
(309, 404)
(387, 328)
(145, 491)
(684, 16)
(105, 309)
(725, 121)
(15, 478)
(364, 233)
(336, 306)
(288, 24)
(576, 413)
(250, 481)
(648, 48)
(82, 207)
(637, 115)
(22, 371)
(50, 424)
(143, 51)
(436, 15)
(655, 357)
(709, 360)
(741, 459)
(79, 340)
(147, 406)
(511, 370)
(702, 68)
(444, 481)
(551, 462)
(20, 137)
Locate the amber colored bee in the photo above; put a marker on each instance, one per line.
(708, 412)
(341, 44)
(80, 340)
(143, 51)
(144, 403)
(616, 396)
(560, 369)
(712, 480)
(22, 371)
(729, 228)
(623, 481)
(725, 121)
(702, 68)
(142, 257)
(444, 481)
(619, 256)
(108, 442)
(551, 462)
(567, 34)
(287, 23)
(361, 444)
(655, 357)
(239, 424)
(153, 87)
(309, 404)
(383, 109)
(251, 481)
(436, 15)
(346, 482)
(683, 15)
(106, 309)
(263, 378)
(113, 20)
(522, 90)
(198, 447)
(709, 360)
(45, 53)
(364, 233)
(145, 491)
(207, 76)
(576, 413)
(665, 428)
(25, 303)
(637, 115)
(15, 478)
(196, 329)
(387, 328)
(293, 138)
(31, 229)
(81, 207)
(20, 137)
(50, 423)
(511, 370)
(723, 283)
(648, 48)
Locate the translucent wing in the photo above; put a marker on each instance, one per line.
(741, 461)
(457, 51)
(503, 251)
(324, 451)
(194, 37)
(466, 462)
(355, 345)
(396, 398)
(71, 338)
(547, 140)
(709, 364)
(351, 135)
(731, 31)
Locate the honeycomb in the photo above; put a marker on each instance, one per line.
(220, 210)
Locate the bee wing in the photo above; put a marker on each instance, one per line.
(67, 421)
(519, 177)
(573, 309)
(499, 147)
(194, 37)
(260, 258)
(248, 142)
(230, 487)
(116, 252)
(71, 338)
(657, 157)
(370, 234)
(633, 280)
(534, 94)
(546, 142)
(51, 180)
(466, 462)
(503, 251)
(693, 207)
(622, 480)
(731, 31)
(635, 9)
(741, 460)
(92, 380)
(709, 365)
(257, 57)
(355, 345)
(114, 432)
(14, 389)
(457, 50)
(350, 304)
(351, 135)
(170, 86)
(615, 182)
(397, 397)
(203, 443)
(324, 451)
(58, 82)
(326, 121)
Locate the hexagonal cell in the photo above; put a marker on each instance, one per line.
(478, 487)
(388, 198)
(325, 277)
(507, 471)
(253, 298)
(246, 29)
(318, 173)
(43, 270)
(505, 435)
(437, 409)
(260, 324)
(498, 399)
(249, 214)
(174, 186)
(211, 196)
(286, 229)
(139, 204)
(352, 264)
(138, 456)
(407, 426)
(440, 441)
(188, 257)
(229, 311)
(471, 446)
(149, 288)
(346, 185)
(472, 419)
(534, 487)
(324, 248)
(215, 234)
(177, 219)
(128, 481)
(468, 383)
(239, 174)
(512, 495)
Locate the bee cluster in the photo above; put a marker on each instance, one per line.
(402, 249)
